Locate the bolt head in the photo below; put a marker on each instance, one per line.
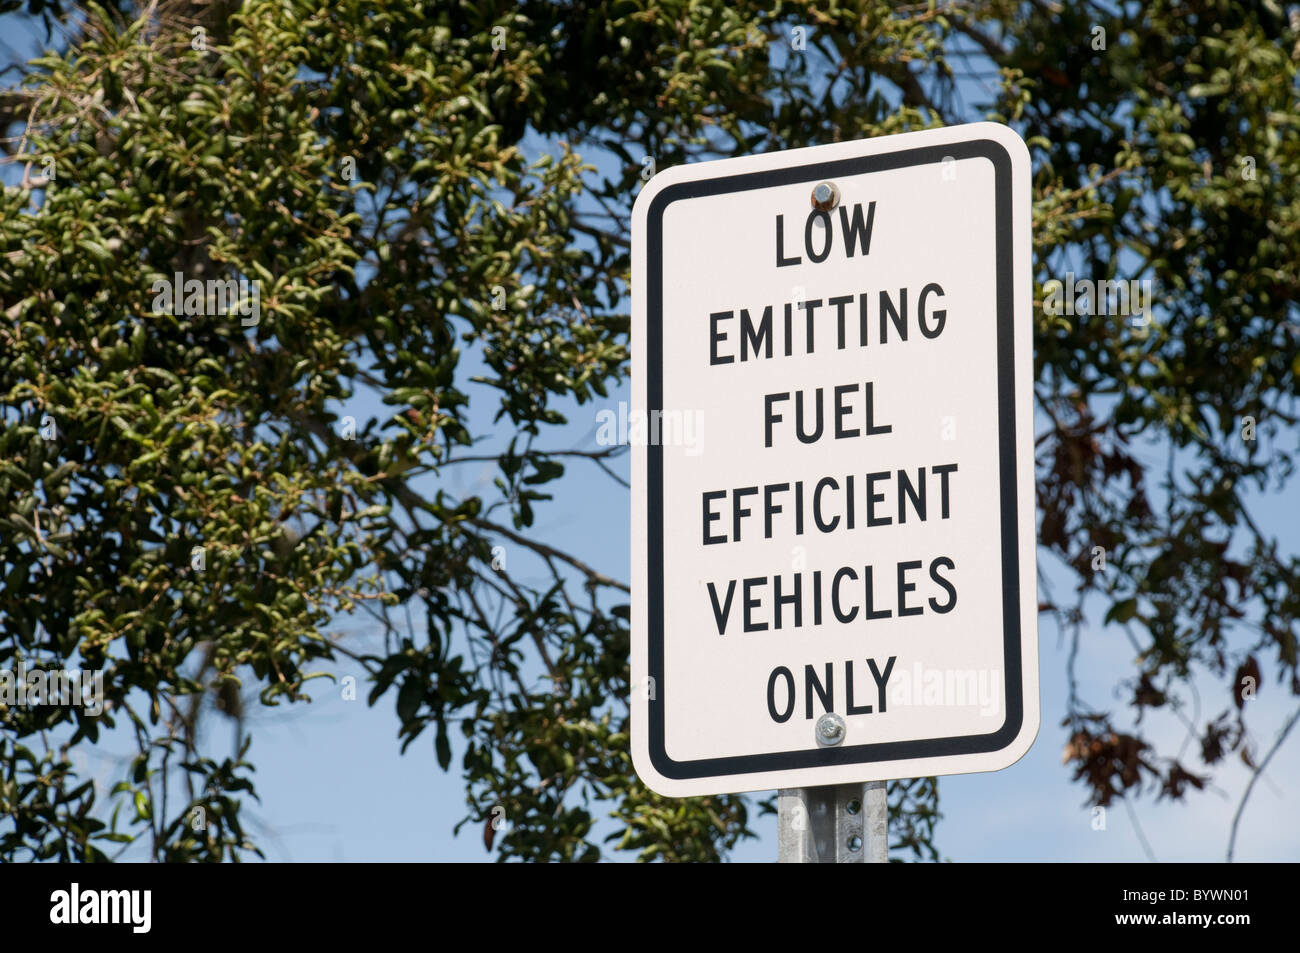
(829, 729)
(825, 196)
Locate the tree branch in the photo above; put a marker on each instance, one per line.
(596, 577)
(1236, 817)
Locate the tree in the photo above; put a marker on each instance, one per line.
(187, 506)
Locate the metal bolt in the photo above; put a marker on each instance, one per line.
(830, 730)
(825, 196)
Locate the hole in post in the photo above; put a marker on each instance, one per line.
(855, 843)
(854, 806)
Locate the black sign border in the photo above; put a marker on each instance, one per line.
(816, 757)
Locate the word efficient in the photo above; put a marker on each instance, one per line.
(828, 504)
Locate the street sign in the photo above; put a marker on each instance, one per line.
(833, 554)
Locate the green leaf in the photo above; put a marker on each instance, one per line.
(409, 697)
(1122, 612)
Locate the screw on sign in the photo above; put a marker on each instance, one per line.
(830, 729)
(825, 196)
(826, 368)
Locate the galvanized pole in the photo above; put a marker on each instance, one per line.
(839, 824)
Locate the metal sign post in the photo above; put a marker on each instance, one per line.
(833, 824)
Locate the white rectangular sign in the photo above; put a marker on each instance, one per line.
(833, 482)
